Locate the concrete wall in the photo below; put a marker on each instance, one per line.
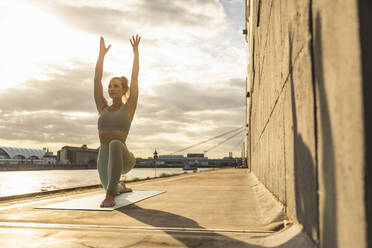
(305, 114)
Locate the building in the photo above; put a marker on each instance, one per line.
(49, 157)
(181, 161)
(195, 155)
(71, 155)
(20, 155)
(171, 156)
(197, 159)
(308, 114)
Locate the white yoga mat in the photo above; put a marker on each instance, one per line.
(93, 202)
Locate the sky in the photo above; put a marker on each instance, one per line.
(191, 79)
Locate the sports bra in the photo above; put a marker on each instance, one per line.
(115, 120)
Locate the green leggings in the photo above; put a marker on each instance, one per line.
(114, 159)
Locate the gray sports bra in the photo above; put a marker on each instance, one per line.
(116, 120)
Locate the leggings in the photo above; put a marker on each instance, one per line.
(114, 159)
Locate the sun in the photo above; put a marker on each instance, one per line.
(32, 39)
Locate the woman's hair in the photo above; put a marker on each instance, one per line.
(125, 84)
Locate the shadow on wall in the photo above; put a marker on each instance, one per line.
(325, 143)
(304, 166)
(307, 202)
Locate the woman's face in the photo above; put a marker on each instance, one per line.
(115, 89)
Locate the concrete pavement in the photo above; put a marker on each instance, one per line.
(219, 208)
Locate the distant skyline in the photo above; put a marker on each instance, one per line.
(191, 81)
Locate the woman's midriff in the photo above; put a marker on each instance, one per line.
(105, 136)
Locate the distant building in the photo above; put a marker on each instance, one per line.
(197, 159)
(77, 155)
(20, 155)
(49, 157)
(170, 156)
(195, 155)
(181, 161)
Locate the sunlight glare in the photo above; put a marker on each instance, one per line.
(34, 39)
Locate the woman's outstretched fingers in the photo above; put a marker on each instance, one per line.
(134, 41)
(102, 47)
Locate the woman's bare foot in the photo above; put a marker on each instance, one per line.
(125, 188)
(109, 201)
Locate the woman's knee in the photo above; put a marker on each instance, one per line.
(115, 144)
(129, 163)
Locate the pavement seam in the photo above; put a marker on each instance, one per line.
(87, 226)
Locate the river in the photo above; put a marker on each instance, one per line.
(22, 182)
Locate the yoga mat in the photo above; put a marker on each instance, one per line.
(93, 202)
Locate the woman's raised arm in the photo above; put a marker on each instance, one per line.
(98, 90)
(133, 96)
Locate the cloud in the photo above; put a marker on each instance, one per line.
(47, 127)
(186, 97)
(236, 83)
(119, 22)
(64, 89)
(184, 13)
(48, 110)
(235, 10)
(179, 35)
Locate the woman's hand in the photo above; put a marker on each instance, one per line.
(135, 41)
(102, 47)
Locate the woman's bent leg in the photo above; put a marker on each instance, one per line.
(102, 164)
(115, 164)
(129, 161)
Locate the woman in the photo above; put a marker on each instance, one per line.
(114, 122)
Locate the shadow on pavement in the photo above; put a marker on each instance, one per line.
(157, 218)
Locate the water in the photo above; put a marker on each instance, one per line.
(22, 182)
